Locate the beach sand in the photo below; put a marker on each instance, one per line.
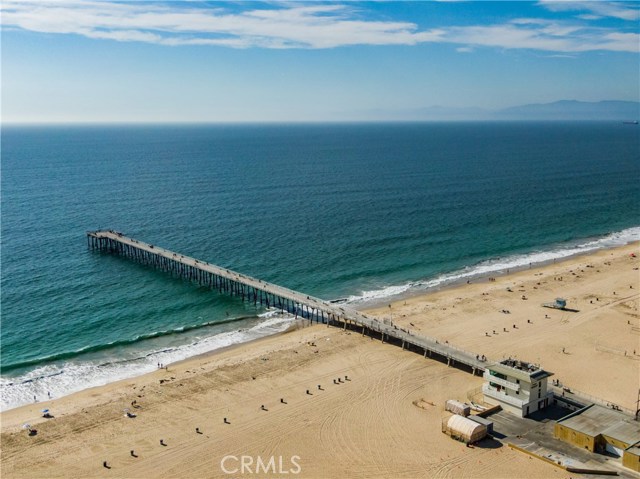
(384, 421)
(595, 349)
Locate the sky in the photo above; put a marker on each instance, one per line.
(207, 61)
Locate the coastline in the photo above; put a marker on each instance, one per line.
(497, 279)
(484, 279)
(334, 425)
(551, 331)
(295, 325)
(377, 306)
(422, 289)
(67, 378)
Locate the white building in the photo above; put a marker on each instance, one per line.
(519, 387)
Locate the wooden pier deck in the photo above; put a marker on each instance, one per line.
(275, 296)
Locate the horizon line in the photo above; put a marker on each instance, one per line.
(295, 122)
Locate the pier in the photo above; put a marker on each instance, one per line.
(274, 296)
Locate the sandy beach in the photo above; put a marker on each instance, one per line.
(281, 396)
(600, 339)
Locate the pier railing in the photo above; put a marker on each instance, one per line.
(274, 296)
(586, 399)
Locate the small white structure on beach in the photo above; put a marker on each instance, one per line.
(457, 407)
(463, 429)
(517, 386)
(560, 303)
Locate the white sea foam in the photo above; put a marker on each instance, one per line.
(500, 265)
(72, 376)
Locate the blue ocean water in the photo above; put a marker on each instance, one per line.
(338, 211)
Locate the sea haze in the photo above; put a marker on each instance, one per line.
(358, 211)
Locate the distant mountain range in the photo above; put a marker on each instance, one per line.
(611, 110)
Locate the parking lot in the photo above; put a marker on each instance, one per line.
(535, 434)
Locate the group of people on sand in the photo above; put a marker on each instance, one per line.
(340, 380)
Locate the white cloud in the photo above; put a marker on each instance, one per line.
(553, 38)
(599, 9)
(589, 16)
(291, 25)
(318, 26)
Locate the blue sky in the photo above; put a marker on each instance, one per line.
(203, 61)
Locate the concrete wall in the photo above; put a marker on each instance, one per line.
(543, 387)
(632, 461)
(567, 404)
(576, 438)
(506, 407)
(603, 440)
(525, 389)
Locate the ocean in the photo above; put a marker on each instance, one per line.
(364, 212)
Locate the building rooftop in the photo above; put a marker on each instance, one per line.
(594, 420)
(520, 369)
(625, 431)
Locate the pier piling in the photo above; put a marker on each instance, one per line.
(267, 294)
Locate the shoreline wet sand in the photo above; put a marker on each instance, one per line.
(383, 421)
